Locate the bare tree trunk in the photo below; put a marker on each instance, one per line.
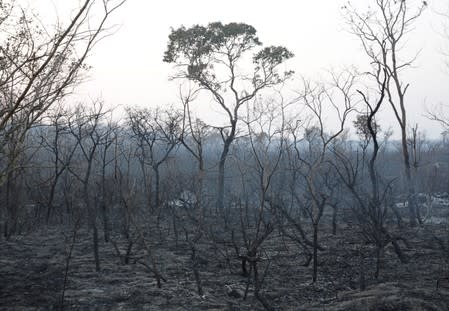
(104, 209)
(50, 201)
(221, 173)
(199, 190)
(315, 252)
(157, 199)
(196, 272)
(92, 221)
(257, 289)
(409, 182)
(379, 250)
(67, 263)
(104, 213)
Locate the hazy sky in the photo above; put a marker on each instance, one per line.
(128, 67)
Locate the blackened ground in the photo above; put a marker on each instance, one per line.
(32, 272)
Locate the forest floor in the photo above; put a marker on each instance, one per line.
(32, 270)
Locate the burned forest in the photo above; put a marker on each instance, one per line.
(298, 194)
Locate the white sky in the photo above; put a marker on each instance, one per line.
(128, 67)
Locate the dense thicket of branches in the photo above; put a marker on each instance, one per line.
(286, 177)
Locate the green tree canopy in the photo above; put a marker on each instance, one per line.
(198, 50)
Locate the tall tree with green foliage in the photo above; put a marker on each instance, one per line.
(214, 57)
